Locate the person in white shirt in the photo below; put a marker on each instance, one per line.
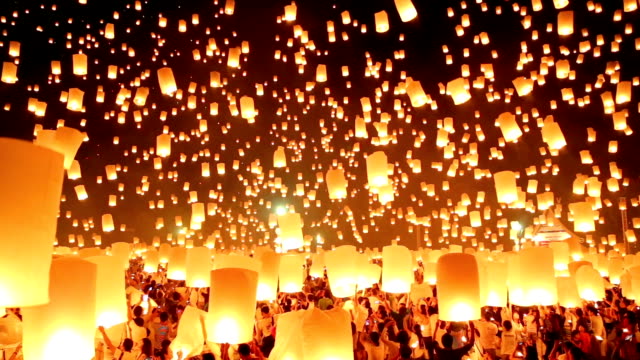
(488, 332)
(509, 340)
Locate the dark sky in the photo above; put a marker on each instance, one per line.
(317, 137)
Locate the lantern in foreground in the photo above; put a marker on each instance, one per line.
(535, 278)
(232, 305)
(111, 300)
(568, 292)
(121, 251)
(406, 10)
(151, 260)
(64, 140)
(458, 287)
(190, 337)
(313, 335)
(397, 274)
(342, 270)
(30, 188)
(176, 269)
(590, 283)
(167, 81)
(198, 267)
(493, 283)
(64, 328)
(290, 273)
(268, 279)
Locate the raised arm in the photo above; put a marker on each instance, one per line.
(107, 341)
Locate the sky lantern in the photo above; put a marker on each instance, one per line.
(616, 268)
(176, 268)
(560, 255)
(397, 272)
(509, 127)
(458, 91)
(583, 216)
(9, 73)
(565, 23)
(406, 10)
(167, 81)
(493, 283)
(164, 253)
(458, 287)
(268, 279)
(279, 158)
(109, 31)
(107, 223)
(568, 295)
(30, 189)
(336, 184)
(342, 270)
(590, 283)
(552, 135)
(416, 93)
(79, 64)
(290, 225)
(247, 109)
(523, 85)
(321, 73)
(229, 7)
(232, 304)
(151, 260)
(290, 12)
(163, 145)
(233, 58)
(64, 140)
(198, 267)
(630, 5)
(536, 277)
(65, 327)
(290, 273)
(111, 303)
(506, 188)
(122, 251)
(382, 21)
(14, 48)
(74, 100)
(377, 169)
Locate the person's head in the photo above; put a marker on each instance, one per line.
(447, 341)
(208, 356)
(403, 337)
(575, 337)
(147, 347)
(405, 352)
(507, 325)
(375, 338)
(579, 312)
(138, 311)
(264, 310)
(139, 321)
(175, 296)
(244, 350)
(164, 316)
(127, 344)
(487, 316)
(165, 345)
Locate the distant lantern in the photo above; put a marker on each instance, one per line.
(583, 216)
(111, 300)
(382, 21)
(565, 23)
(109, 30)
(30, 189)
(397, 272)
(279, 158)
(458, 91)
(509, 127)
(268, 276)
(506, 188)
(535, 278)
(590, 283)
(198, 267)
(406, 10)
(74, 99)
(247, 109)
(321, 73)
(163, 145)
(65, 327)
(458, 287)
(552, 135)
(342, 270)
(290, 226)
(416, 94)
(176, 268)
(336, 184)
(377, 169)
(9, 73)
(232, 305)
(80, 64)
(290, 273)
(107, 223)
(64, 140)
(229, 7)
(167, 81)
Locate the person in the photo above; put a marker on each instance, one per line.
(488, 332)
(447, 352)
(509, 340)
(247, 352)
(265, 331)
(161, 331)
(123, 352)
(146, 351)
(372, 344)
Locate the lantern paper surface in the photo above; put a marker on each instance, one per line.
(198, 267)
(290, 273)
(111, 300)
(397, 274)
(458, 287)
(342, 270)
(268, 280)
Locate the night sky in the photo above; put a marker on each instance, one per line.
(315, 121)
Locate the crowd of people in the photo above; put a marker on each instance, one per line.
(384, 326)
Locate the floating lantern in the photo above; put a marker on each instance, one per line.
(590, 283)
(30, 189)
(493, 283)
(290, 226)
(151, 260)
(279, 158)
(122, 252)
(565, 23)
(268, 279)
(176, 269)
(509, 127)
(107, 223)
(79, 64)
(290, 273)
(111, 300)
(198, 267)
(458, 287)
(506, 188)
(406, 10)
(534, 278)
(9, 73)
(382, 21)
(163, 145)
(167, 81)
(583, 217)
(64, 140)
(458, 91)
(336, 184)
(342, 270)
(377, 169)
(397, 272)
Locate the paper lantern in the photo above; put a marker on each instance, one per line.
(167, 81)
(382, 21)
(565, 23)
(590, 283)
(377, 169)
(535, 278)
(111, 300)
(321, 73)
(568, 295)
(151, 260)
(583, 217)
(342, 270)
(458, 91)
(232, 305)
(506, 188)
(313, 335)
(509, 127)
(64, 140)
(268, 279)
(247, 109)
(420, 292)
(493, 283)
(163, 145)
(317, 265)
(417, 96)
(79, 64)
(190, 338)
(458, 287)
(30, 188)
(176, 269)
(198, 267)
(523, 85)
(107, 223)
(65, 327)
(290, 273)
(290, 225)
(279, 158)
(406, 10)
(9, 73)
(164, 253)
(616, 268)
(74, 99)
(233, 58)
(560, 255)
(336, 184)
(290, 12)
(397, 272)
(552, 135)
(630, 5)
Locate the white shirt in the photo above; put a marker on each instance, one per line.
(488, 332)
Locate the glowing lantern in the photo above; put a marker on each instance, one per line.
(493, 283)
(111, 304)
(151, 260)
(377, 169)
(74, 100)
(290, 273)
(458, 287)
(552, 135)
(317, 265)
(233, 59)
(623, 92)
(190, 337)
(506, 188)
(321, 73)
(64, 140)
(163, 145)
(80, 64)
(416, 94)
(109, 31)
(583, 217)
(406, 10)
(616, 268)
(14, 48)
(458, 91)
(342, 269)
(9, 73)
(290, 12)
(268, 279)
(65, 327)
(534, 278)
(560, 255)
(198, 267)
(568, 295)
(81, 192)
(336, 184)
(382, 21)
(590, 283)
(397, 272)
(565, 23)
(122, 252)
(509, 127)
(167, 81)
(176, 269)
(164, 253)
(290, 226)
(630, 5)
(279, 158)
(369, 274)
(247, 110)
(30, 189)
(232, 305)
(523, 86)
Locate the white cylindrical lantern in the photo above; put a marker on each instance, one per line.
(493, 283)
(176, 268)
(64, 140)
(268, 280)
(64, 328)
(397, 272)
(167, 81)
(568, 295)
(590, 283)
(458, 286)
(198, 267)
(506, 188)
(163, 145)
(336, 184)
(111, 300)
(290, 273)
(406, 10)
(342, 270)
(151, 260)
(377, 169)
(536, 277)
(121, 251)
(290, 236)
(30, 188)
